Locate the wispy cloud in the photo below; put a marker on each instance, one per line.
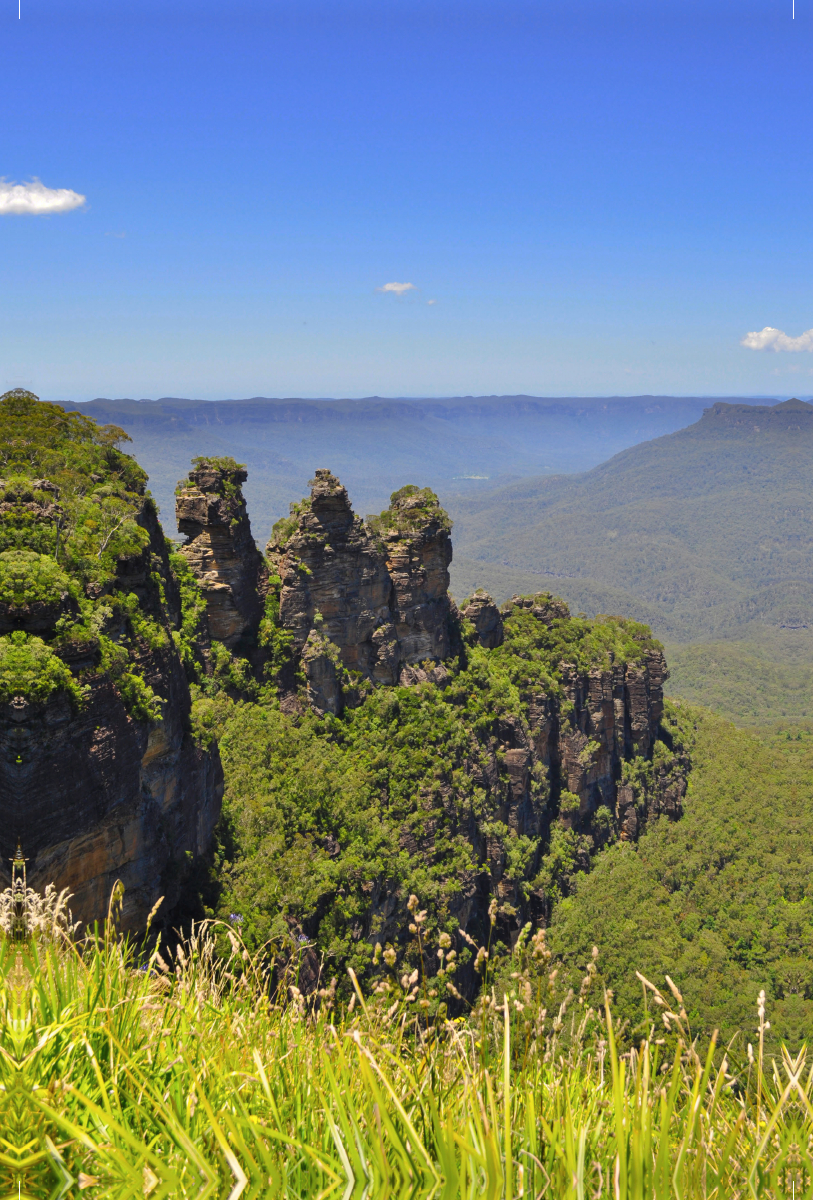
(774, 339)
(116, 235)
(35, 199)
(431, 301)
(397, 288)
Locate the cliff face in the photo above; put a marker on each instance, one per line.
(552, 722)
(211, 512)
(374, 592)
(578, 758)
(517, 743)
(93, 793)
(100, 778)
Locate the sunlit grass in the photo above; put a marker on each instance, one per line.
(193, 1076)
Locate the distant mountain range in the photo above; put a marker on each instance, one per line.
(706, 534)
(704, 531)
(377, 445)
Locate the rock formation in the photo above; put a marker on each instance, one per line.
(486, 619)
(211, 512)
(375, 590)
(93, 793)
(101, 630)
(575, 761)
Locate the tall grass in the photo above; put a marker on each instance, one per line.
(190, 1075)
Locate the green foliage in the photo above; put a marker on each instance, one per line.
(272, 636)
(93, 492)
(534, 650)
(222, 462)
(193, 613)
(286, 527)
(28, 578)
(139, 698)
(227, 485)
(320, 812)
(410, 508)
(754, 682)
(30, 669)
(569, 804)
(721, 900)
(74, 510)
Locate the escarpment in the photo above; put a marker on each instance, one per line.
(100, 778)
(355, 604)
(481, 754)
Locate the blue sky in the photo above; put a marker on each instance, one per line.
(600, 197)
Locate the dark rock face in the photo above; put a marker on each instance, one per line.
(486, 619)
(93, 794)
(378, 591)
(419, 552)
(563, 765)
(320, 661)
(211, 512)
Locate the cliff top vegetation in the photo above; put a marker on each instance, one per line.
(73, 507)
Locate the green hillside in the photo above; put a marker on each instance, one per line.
(720, 900)
(705, 534)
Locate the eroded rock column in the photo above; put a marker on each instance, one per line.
(211, 512)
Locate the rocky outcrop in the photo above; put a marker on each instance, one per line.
(486, 619)
(211, 512)
(573, 770)
(375, 590)
(93, 793)
(418, 547)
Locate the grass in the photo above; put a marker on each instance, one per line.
(209, 1074)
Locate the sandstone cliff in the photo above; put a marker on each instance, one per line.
(112, 652)
(499, 749)
(211, 512)
(368, 596)
(575, 760)
(97, 794)
(100, 778)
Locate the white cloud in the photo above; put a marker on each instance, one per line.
(774, 339)
(36, 199)
(397, 288)
(431, 301)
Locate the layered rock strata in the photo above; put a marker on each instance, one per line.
(376, 591)
(211, 513)
(577, 761)
(486, 619)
